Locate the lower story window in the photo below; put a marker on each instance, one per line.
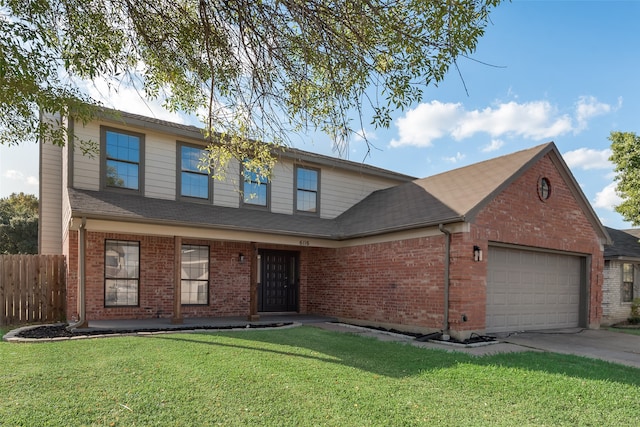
(195, 275)
(627, 282)
(121, 273)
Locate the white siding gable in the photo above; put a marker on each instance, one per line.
(86, 167)
(282, 188)
(160, 166)
(341, 189)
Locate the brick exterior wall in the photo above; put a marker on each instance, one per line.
(393, 283)
(401, 283)
(228, 280)
(398, 284)
(518, 216)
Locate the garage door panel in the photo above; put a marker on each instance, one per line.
(529, 290)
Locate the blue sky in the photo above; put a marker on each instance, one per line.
(562, 71)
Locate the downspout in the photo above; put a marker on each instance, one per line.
(447, 254)
(81, 323)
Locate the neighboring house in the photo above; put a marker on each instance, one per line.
(502, 245)
(621, 275)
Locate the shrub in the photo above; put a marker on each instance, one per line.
(634, 319)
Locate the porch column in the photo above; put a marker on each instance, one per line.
(177, 279)
(253, 285)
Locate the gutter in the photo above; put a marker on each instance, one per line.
(447, 254)
(82, 322)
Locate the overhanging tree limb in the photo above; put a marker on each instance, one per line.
(256, 70)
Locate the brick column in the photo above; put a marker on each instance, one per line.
(177, 279)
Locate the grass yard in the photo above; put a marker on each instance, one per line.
(625, 330)
(302, 376)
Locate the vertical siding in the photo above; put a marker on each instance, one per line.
(282, 188)
(86, 167)
(160, 166)
(50, 215)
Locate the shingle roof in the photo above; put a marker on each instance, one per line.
(465, 189)
(625, 244)
(134, 208)
(448, 197)
(444, 198)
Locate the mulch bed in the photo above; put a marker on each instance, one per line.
(626, 325)
(61, 331)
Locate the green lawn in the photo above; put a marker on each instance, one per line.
(302, 376)
(626, 330)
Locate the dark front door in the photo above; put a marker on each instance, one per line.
(278, 290)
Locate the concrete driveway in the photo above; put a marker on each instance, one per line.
(601, 344)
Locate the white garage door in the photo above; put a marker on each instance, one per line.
(529, 290)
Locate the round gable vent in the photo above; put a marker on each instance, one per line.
(544, 188)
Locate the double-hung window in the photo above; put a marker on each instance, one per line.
(121, 273)
(627, 282)
(255, 188)
(195, 274)
(194, 183)
(307, 189)
(122, 154)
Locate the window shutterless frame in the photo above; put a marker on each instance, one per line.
(121, 160)
(306, 192)
(194, 283)
(192, 184)
(256, 191)
(121, 273)
(628, 281)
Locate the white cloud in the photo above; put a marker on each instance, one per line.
(533, 120)
(588, 107)
(131, 99)
(454, 159)
(495, 145)
(14, 175)
(363, 135)
(427, 122)
(536, 120)
(16, 181)
(607, 198)
(588, 158)
(32, 181)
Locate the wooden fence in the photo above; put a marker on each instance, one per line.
(32, 289)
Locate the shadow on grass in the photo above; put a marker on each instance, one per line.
(400, 360)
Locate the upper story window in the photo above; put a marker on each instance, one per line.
(255, 189)
(307, 189)
(192, 181)
(122, 154)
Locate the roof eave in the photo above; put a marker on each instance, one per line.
(405, 227)
(151, 221)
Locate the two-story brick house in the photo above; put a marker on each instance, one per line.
(506, 244)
